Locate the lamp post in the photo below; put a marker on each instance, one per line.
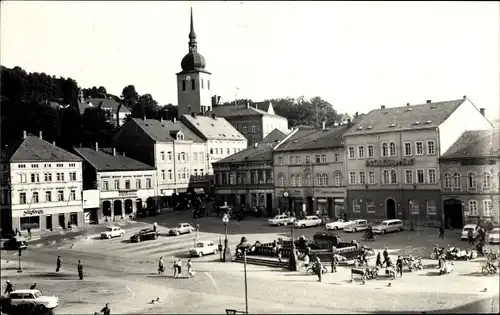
(244, 246)
(293, 257)
(227, 252)
(19, 269)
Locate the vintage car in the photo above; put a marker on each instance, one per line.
(112, 231)
(470, 227)
(308, 221)
(203, 248)
(281, 219)
(357, 225)
(494, 237)
(16, 242)
(33, 297)
(388, 226)
(181, 228)
(338, 225)
(144, 235)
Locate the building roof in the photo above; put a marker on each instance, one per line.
(106, 103)
(34, 149)
(103, 161)
(475, 144)
(217, 128)
(163, 130)
(313, 139)
(429, 115)
(262, 151)
(240, 110)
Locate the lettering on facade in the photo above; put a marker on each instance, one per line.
(32, 212)
(478, 162)
(382, 163)
(127, 193)
(199, 190)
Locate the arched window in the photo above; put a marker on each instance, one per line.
(325, 179)
(319, 180)
(392, 149)
(307, 177)
(337, 178)
(385, 176)
(394, 176)
(473, 211)
(292, 179)
(385, 149)
(456, 180)
(486, 180)
(447, 180)
(471, 179)
(281, 179)
(299, 180)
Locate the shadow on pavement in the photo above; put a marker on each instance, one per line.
(473, 274)
(430, 274)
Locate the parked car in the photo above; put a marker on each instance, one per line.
(310, 220)
(281, 219)
(338, 225)
(470, 227)
(16, 242)
(144, 235)
(33, 297)
(389, 226)
(112, 231)
(181, 228)
(494, 237)
(357, 225)
(203, 248)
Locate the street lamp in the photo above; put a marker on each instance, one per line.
(244, 246)
(227, 252)
(19, 269)
(293, 256)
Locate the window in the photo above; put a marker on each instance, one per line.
(336, 157)
(35, 178)
(473, 212)
(60, 177)
(447, 180)
(456, 180)
(208, 84)
(298, 179)
(162, 156)
(60, 165)
(72, 195)
(307, 176)
(431, 147)
(471, 180)
(202, 85)
(183, 85)
(280, 160)
(70, 165)
(117, 184)
(22, 165)
(22, 198)
(170, 175)
(193, 85)
(371, 151)
(148, 182)
(337, 178)
(351, 153)
(431, 175)
(487, 207)
(30, 222)
(407, 148)
(34, 198)
(371, 177)
(394, 177)
(228, 151)
(355, 205)
(361, 152)
(323, 158)
(291, 160)
(385, 149)
(420, 177)
(138, 183)
(297, 159)
(281, 180)
(60, 195)
(308, 159)
(370, 205)
(414, 206)
(211, 151)
(34, 165)
(48, 196)
(254, 128)
(292, 180)
(47, 177)
(318, 158)
(245, 128)
(72, 176)
(319, 180)
(352, 178)
(431, 206)
(408, 176)
(486, 180)
(162, 174)
(325, 179)
(419, 148)
(22, 178)
(127, 184)
(169, 156)
(392, 149)
(105, 185)
(362, 178)
(385, 177)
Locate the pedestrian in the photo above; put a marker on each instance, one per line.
(470, 237)
(29, 232)
(441, 232)
(33, 287)
(317, 212)
(161, 266)
(154, 226)
(279, 254)
(319, 267)
(106, 310)
(386, 257)
(80, 270)
(190, 268)
(399, 266)
(175, 268)
(59, 263)
(179, 267)
(9, 288)
(378, 261)
(441, 261)
(335, 261)
(17, 232)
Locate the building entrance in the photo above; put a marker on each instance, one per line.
(390, 207)
(453, 214)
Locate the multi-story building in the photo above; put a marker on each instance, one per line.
(470, 172)
(254, 122)
(125, 185)
(309, 171)
(41, 186)
(246, 177)
(173, 149)
(392, 158)
(221, 138)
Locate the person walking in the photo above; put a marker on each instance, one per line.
(179, 267)
(106, 310)
(386, 257)
(399, 266)
(378, 261)
(441, 232)
(175, 268)
(191, 272)
(29, 232)
(161, 266)
(9, 288)
(335, 261)
(59, 264)
(80, 270)
(154, 226)
(318, 267)
(470, 237)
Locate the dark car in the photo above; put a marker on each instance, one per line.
(144, 235)
(17, 242)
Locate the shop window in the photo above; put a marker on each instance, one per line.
(73, 218)
(414, 206)
(30, 222)
(355, 205)
(370, 206)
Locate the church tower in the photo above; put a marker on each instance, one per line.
(193, 82)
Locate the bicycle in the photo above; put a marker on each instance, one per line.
(311, 270)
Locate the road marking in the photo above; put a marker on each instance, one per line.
(133, 294)
(213, 281)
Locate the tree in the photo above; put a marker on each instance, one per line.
(97, 127)
(130, 96)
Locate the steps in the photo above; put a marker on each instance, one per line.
(262, 262)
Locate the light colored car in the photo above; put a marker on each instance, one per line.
(494, 237)
(43, 302)
(182, 228)
(203, 248)
(112, 231)
(281, 219)
(470, 227)
(357, 225)
(310, 220)
(388, 226)
(338, 225)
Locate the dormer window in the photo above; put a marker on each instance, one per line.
(369, 127)
(428, 121)
(392, 125)
(417, 123)
(180, 136)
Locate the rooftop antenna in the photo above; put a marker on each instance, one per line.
(235, 95)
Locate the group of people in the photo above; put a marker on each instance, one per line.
(79, 267)
(177, 267)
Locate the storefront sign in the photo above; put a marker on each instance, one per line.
(478, 162)
(32, 212)
(127, 193)
(199, 190)
(382, 163)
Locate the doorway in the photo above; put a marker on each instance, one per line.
(243, 201)
(390, 208)
(61, 220)
(310, 206)
(269, 204)
(453, 213)
(48, 222)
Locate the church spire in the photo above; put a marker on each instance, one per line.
(192, 35)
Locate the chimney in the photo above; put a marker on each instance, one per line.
(174, 119)
(40, 133)
(97, 146)
(123, 154)
(382, 107)
(248, 104)
(465, 96)
(349, 122)
(257, 106)
(481, 110)
(114, 151)
(53, 142)
(161, 119)
(193, 114)
(24, 134)
(144, 117)
(407, 104)
(429, 101)
(213, 116)
(323, 125)
(256, 144)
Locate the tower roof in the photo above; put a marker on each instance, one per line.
(193, 61)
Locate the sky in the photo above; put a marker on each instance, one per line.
(355, 55)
